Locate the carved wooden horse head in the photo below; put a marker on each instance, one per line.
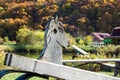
(55, 39)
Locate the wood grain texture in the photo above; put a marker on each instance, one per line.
(92, 60)
(56, 70)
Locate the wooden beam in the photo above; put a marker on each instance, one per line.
(79, 50)
(116, 66)
(92, 60)
(55, 70)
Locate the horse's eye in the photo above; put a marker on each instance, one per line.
(55, 31)
(60, 30)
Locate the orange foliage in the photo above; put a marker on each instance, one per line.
(10, 21)
(82, 13)
(83, 20)
(20, 21)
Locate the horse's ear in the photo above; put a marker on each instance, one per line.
(56, 17)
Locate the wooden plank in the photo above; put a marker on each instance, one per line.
(110, 65)
(21, 62)
(79, 49)
(55, 70)
(92, 60)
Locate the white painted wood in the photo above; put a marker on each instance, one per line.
(79, 49)
(56, 70)
(110, 65)
(91, 60)
(69, 73)
(55, 39)
(23, 63)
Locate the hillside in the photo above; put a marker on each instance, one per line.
(86, 15)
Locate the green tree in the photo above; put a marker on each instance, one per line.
(21, 35)
(29, 37)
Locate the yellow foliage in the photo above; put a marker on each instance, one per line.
(72, 40)
(83, 19)
(97, 5)
(89, 38)
(41, 1)
(92, 0)
(81, 41)
(55, 7)
(92, 56)
(70, 0)
(47, 8)
(67, 4)
(84, 7)
(112, 1)
(40, 34)
(105, 1)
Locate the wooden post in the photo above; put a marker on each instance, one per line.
(117, 69)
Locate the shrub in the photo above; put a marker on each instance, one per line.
(28, 39)
(1, 40)
(27, 36)
(21, 35)
(87, 40)
(6, 39)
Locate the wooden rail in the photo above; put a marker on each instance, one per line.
(92, 60)
(51, 69)
(116, 66)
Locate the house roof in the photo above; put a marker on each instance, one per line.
(100, 35)
(115, 33)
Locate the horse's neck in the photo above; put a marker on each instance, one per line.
(53, 53)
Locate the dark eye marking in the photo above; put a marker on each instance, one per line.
(60, 30)
(51, 25)
(55, 31)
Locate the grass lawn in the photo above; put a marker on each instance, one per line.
(13, 76)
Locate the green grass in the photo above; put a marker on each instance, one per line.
(8, 47)
(13, 76)
(23, 48)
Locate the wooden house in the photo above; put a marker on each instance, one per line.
(115, 36)
(99, 37)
